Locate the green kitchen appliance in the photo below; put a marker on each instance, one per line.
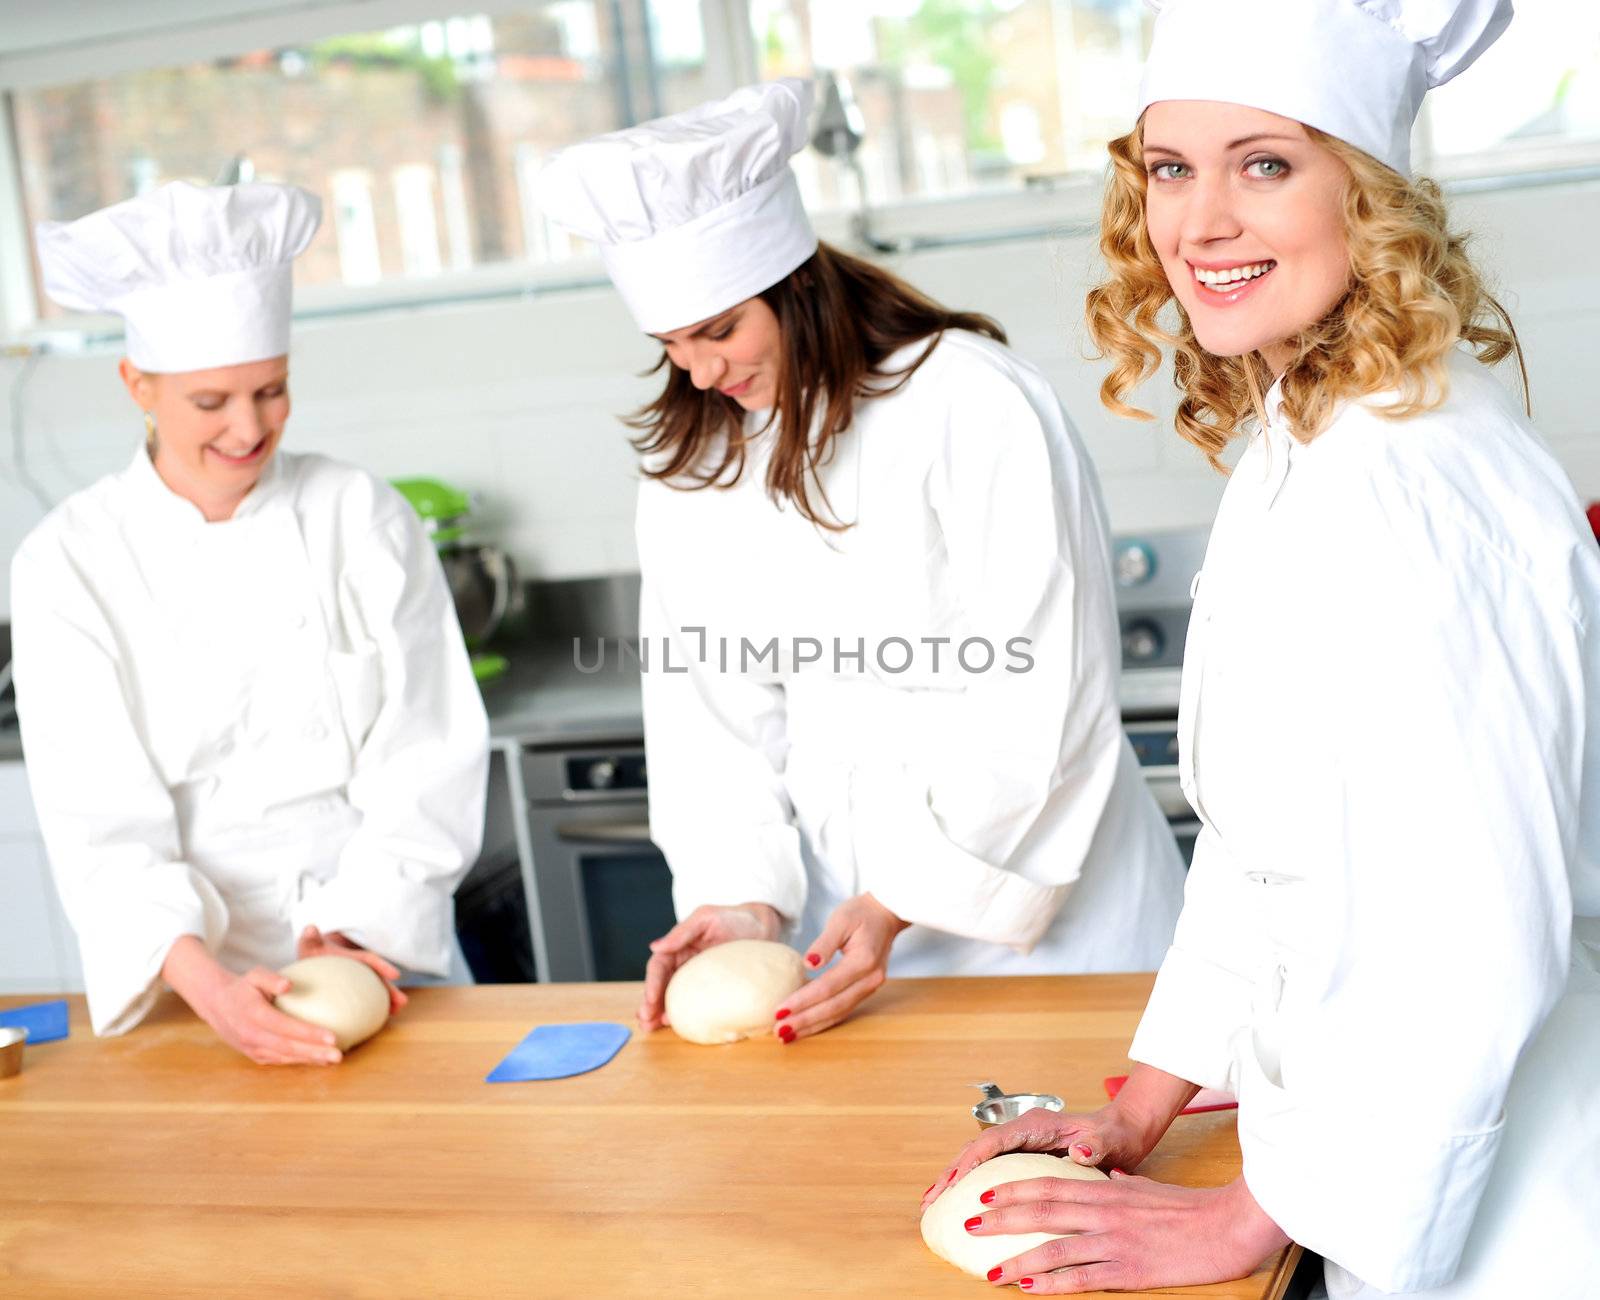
(482, 578)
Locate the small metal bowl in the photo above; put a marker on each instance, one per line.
(11, 1041)
(999, 1107)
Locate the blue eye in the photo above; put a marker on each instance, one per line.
(1268, 168)
(1168, 171)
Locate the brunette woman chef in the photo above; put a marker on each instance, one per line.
(250, 726)
(874, 771)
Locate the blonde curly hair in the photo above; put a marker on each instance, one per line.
(1414, 294)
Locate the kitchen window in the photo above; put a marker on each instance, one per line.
(425, 131)
(423, 138)
(1530, 104)
(962, 96)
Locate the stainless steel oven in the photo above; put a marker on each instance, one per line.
(603, 889)
(1156, 745)
(1155, 576)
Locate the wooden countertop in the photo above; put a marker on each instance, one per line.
(162, 1163)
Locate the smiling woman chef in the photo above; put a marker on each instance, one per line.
(844, 469)
(250, 726)
(1390, 723)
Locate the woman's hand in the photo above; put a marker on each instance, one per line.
(239, 1008)
(1109, 1134)
(703, 928)
(313, 943)
(861, 930)
(1118, 1135)
(1132, 1234)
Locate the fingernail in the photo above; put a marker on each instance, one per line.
(1025, 1283)
(1123, 1172)
(783, 1014)
(976, 1221)
(994, 1273)
(786, 1033)
(813, 960)
(1081, 1150)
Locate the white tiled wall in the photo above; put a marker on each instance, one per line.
(517, 401)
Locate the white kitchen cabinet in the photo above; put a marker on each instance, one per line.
(38, 951)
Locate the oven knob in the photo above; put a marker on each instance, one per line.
(1135, 564)
(1142, 641)
(602, 774)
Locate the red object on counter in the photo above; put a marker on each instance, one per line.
(1207, 1099)
(1594, 518)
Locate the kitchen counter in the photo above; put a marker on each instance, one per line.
(162, 1163)
(544, 698)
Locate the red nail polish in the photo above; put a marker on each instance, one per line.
(786, 1033)
(994, 1273)
(813, 960)
(928, 1188)
(988, 1197)
(975, 1221)
(1081, 1150)
(783, 1014)
(1120, 1171)
(1026, 1283)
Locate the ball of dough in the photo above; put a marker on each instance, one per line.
(337, 993)
(731, 991)
(941, 1221)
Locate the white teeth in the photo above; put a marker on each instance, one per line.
(1232, 274)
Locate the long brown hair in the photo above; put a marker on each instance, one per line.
(839, 319)
(1414, 295)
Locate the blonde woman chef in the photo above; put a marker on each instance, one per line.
(1390, 724)
(248, 719)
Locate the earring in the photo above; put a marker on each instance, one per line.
(150, 433)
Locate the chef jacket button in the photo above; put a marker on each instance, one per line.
(225, 748)
(298, 621)
(316, 731)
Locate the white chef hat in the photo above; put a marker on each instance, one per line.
(200, 274)
(695, 212)
(1357, 69)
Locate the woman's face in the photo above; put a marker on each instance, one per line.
(739, 353)
(1245, 211)
(216, 430)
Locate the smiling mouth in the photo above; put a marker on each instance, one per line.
(1226, 283)
(738, 389)
(242, 458)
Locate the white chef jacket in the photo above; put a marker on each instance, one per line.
(238, 729)
(1001, 812)
(1390, 729)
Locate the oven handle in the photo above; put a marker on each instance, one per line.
(621, 832)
